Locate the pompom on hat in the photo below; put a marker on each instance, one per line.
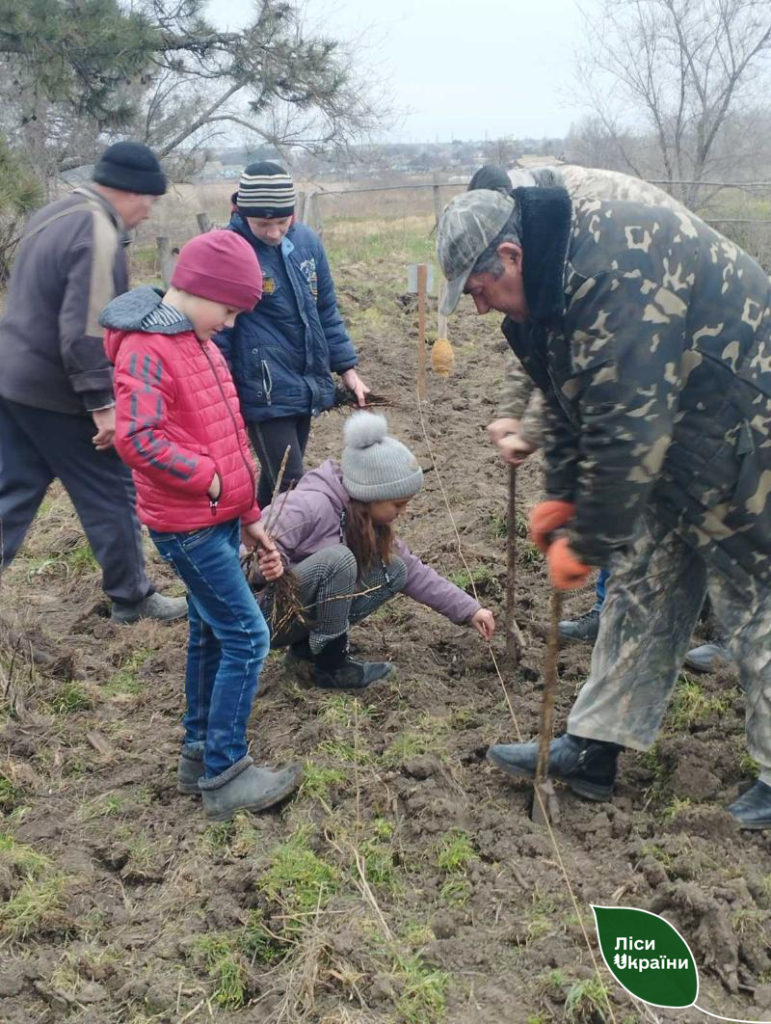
(220, 266)
(377, 467)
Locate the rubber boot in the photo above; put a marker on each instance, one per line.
(753, 809)
(582, 630)
(190, 770)
(155, 606)
(335, 669)
(245, 787)
(587, 766)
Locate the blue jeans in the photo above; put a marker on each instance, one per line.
(229, 640)
(602, 582)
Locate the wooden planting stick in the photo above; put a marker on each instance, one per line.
(422, 281)
(545, 808)
(277, 488)
(514, 642)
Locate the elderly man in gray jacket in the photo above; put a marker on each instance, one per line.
(57, 415)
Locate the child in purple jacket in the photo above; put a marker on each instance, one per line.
(335, 531)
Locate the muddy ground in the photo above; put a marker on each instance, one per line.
(406, 882)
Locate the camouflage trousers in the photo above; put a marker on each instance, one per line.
(655, 592)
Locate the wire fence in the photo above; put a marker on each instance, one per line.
(398, 220)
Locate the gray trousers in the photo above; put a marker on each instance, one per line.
(36, 447)
(334, 595)
(655, 592)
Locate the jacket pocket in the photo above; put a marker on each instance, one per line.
(190, 541)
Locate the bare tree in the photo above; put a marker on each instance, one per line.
(673, 73)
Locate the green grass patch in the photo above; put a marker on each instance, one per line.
(37, 902)
(299, 881)
(423, 997)
(587, 1002)
(463, 578)
(455, 853)
(226, 969)
(80, 560)
(318, 780)
(691, 704)
(69, 698)
(10, 795)
(126, 679)
(345, 711)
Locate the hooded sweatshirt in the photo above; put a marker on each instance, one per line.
(177, 418)
(312, 517)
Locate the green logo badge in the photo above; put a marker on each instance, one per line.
(647, 956)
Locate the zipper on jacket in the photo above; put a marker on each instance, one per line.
(234, 421)
(214, 502)
(267, 381)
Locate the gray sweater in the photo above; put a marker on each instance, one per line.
(70, 264)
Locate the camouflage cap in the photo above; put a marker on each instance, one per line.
(468, 225)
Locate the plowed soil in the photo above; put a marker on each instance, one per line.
(406, 882)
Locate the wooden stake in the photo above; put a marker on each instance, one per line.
(204, 223)
(422, 279)
(441, 319)
(544, 798)
(437, 210)
(165, 259)
(513, 635)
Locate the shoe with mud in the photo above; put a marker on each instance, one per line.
(587, 766)
(189, 771)
(245, 787)
(708, 657)
(582, 630)
(753, 809)
(335, 669)
(154, 606)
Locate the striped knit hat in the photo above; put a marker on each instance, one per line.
(265, 190)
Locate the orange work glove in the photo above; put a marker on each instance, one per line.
(548, 517)
(565, 571)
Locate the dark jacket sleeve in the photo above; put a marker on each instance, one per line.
(88, 288)
(627, 338)
(342, 354)
(426, 585)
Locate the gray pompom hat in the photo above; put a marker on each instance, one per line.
(377, 467)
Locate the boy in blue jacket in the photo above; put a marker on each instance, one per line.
(282, 353)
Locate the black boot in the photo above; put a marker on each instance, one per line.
(299, 659)
(582, 630)
(588, 766)
(335, 669)
(753, 808)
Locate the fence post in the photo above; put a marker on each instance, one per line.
(165, 259)
(422, 281)
(437, 199)
(204, 224)
(300, 206)
(313, 211)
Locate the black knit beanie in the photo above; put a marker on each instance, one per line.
(130, 167)
(265, 190)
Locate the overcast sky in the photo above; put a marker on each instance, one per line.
(467, 70)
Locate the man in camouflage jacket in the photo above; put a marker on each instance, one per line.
(517, 430)
(650, 336)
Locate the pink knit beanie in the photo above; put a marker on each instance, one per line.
(221, 266)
